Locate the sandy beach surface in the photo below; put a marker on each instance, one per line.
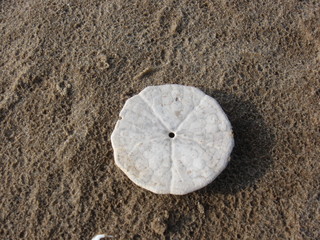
(66, 69)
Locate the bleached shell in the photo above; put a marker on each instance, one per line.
(192, 159)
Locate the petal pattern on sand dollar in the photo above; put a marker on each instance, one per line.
(172, 139)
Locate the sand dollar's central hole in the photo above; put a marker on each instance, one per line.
(171, 135)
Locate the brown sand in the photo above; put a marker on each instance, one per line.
(66, 70)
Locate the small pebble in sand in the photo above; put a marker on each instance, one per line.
(172, 139)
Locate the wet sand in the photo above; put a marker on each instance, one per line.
(66, 69)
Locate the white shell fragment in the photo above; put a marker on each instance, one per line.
(98, 237)
(101, 236)
(172, 139)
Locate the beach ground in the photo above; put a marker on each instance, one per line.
(67, 68)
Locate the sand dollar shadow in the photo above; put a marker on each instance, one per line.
(251, 156)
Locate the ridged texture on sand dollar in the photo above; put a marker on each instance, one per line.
(172, 139)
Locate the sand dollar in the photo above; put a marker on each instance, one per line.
(172, 139)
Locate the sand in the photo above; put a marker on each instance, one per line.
(66, 69)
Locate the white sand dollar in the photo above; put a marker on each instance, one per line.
(172, 139)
